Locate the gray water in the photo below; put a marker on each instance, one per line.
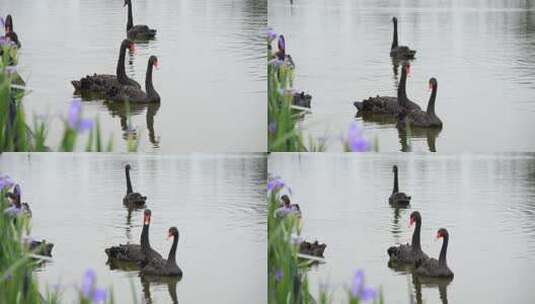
(481, 52)
(216, 201)
(212, 66)
(487, 203)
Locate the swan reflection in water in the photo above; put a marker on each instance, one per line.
(155, 281)
(121, 110)
(405, 136)
(440, 284)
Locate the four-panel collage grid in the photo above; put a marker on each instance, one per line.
(267, 151)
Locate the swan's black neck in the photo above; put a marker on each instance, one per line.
(442, 257)
(396, 188)
(416, 235)
(130, 23)
(121, 73)
(172, 253)
(402, 91)
(149, 88)
(144, 240)
(395, 40)
(128, 182)
(431, 103)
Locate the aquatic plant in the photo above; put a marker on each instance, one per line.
(287, 274)
(89, 290)
(354, 141)
(17, 263)
(17, 135)
(283, 134)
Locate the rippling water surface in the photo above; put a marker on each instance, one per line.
(486, 202)
(212, 66)
(481, 52)
(217, 202)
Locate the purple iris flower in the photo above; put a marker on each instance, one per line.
(275, 184)
(74, 117)
(355, 141)
(270, 34)
(278, 276)
(6, 42)
(2, 22)
(281, 43)
(272, 127)
(359, 290)
(89, 290)
(6, 182)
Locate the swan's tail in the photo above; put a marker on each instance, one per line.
(359, 105)
(113, 252)
(392, 251)
(77, 84)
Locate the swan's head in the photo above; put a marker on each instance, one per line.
(394, 168)
(442, 233)
(394, 19)
(146, 216)
(285, 200)
(8, 24)
(415, 217)
(153, 60)
(172, 233)
(432, 83)
(281, 43)
(127, 167)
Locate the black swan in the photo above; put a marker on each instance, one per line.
(302, 100)
(161, 267)
(436, 268)
(132, 199)
(398, 51)
(405, 253)
(135, 252)
(40, 247)
(419, 118)
(398, 199)
(136, 95)
(389, 105)
(137, 32)
(287, 208)
(10, 34)
(100, 83)
(314, 249)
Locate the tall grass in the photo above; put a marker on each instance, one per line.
(18, 136)
(287, 274)
(283, 135)
(17, 263)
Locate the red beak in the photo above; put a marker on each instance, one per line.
(146, 219)
(157, 64)
(132, 48)
(439, 235)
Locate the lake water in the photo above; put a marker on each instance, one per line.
(487, 203)
(481, 53)
(212, 67)
(216, 201)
